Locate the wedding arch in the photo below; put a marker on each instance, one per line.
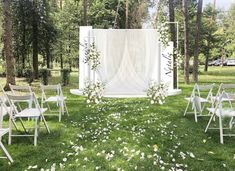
(129, 60)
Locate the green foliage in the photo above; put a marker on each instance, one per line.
(44, 73)
(65, 76)
(28, 73)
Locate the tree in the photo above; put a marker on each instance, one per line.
(211, 36)
(7, 25)
(35, 34)
(173, 37)
(197, 37)
(127, 13)
(85, 7)
(186, 41)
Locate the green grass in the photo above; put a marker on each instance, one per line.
(128, 134)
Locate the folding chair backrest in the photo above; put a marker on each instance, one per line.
(20, 97)
(56, 88)
(25, 89)
(226, 87)
(220, 101)
(198, 89)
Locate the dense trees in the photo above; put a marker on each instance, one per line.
(45, 32)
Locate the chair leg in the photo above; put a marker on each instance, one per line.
(221, 130)
(14, 123)
(185, 112)
(45, 124)
(195, 115)
(25, 130)
(62, 107)
(36, 132)
(60, 113)
(66, 109)
(10, 133)
(231, 123)
(212, 116)
(6, 152)
(48, 106)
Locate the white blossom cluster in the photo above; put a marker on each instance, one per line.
(163, 29)
(92, 56)
(157, 93)
(93, 91)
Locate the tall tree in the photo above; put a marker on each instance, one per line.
(61, 43)
(35, 34)
(197, 37)
(127, 14)
(85, 7)
(7, 25)
(186, 41)
(173, 37)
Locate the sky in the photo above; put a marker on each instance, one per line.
(220, 4)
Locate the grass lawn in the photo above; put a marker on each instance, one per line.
(126, 134)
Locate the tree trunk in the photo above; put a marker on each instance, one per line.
(85, 6)
(173, 38)
(127, 14)
(197, 37)
(48, 56)
(61, 43)
(7, 39)
(35, 40)
(207, 60)
(186, 42)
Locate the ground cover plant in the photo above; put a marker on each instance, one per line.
(125, 134)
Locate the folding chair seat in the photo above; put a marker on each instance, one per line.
(57, 98)
(197, 92)
(3, 131)
(34, 112)
(222, 112)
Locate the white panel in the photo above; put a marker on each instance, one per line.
(167, 65)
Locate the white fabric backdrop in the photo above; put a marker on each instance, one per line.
(129, 59)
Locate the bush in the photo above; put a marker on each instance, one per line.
(19, 71)
(65, 74)
(28, 72)
(44, 73)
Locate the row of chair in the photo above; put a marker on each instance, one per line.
(217, 106)
(13, 104)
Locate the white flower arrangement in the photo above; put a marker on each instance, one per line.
(164, 37)
(92, 55)
(157, 93)
(94, 92)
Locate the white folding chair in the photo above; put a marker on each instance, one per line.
(197, 91)
(222, 112)
(3, 131)
(225, 88)
(34, 112)
(57, 98)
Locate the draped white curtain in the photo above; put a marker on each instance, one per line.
(129, 60)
